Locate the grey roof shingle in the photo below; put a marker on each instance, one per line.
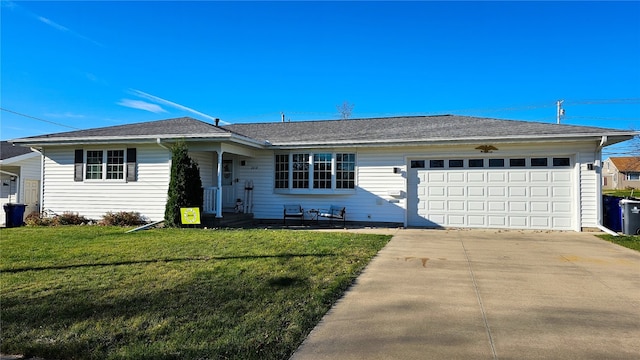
(8, 150)
(184, 126)
(407, 129)
(391, 130)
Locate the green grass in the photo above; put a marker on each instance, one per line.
(89, 292)
(621, 193)
(631, 242)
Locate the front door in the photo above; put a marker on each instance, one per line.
(228, 188)
(31, 196)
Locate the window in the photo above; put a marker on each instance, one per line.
(115, 164)
(105, 165)
(436, 163)
(315, 171)
(300, 173)
(633, 176)
(282, 171)
(517, 162)
(476, 163)
(456, 163)
(94, 164)
(345, 171)
(538, 161)
(561, 162)
(496, 162)
(322, 171)
(417, 164)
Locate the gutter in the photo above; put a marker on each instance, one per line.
(159, 142)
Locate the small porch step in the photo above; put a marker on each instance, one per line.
(227, 220)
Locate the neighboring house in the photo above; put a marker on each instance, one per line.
(424, 171)
(620, 173)
(19, 177)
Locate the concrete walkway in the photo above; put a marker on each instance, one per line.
(487, 294)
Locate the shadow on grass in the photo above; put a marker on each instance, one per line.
(168, 260)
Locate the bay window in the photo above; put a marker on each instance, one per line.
(315, 171)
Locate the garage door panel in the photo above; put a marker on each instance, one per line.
(456, 220)
(540, 222)
(561, 177)
(454, 177)
(539, 191)
(498, 221)
(539, 177)
(518, 221)
(518, 206)
(456, 205)
(476, 190)
(520, 191)
(435, 177)
(496, 177)
(496, 191)
(564, 191)
(497, 206)
(517, 176)
(477, 220)
(474, 176)
(476, 205)
(537, 206)
(436, 190)
(436, 205)
(455, 190)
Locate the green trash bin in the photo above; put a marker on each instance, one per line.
(14, 214)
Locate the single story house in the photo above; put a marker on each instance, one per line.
(423, 171)
(619, 173)
(19, 178)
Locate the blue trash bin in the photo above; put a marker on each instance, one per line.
(612, 213)
(14, 214)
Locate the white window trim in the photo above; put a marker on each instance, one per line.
(104, 166)
(310, 190)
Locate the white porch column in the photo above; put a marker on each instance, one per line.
(219, 194)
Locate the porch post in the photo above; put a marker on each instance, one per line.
(219, 192)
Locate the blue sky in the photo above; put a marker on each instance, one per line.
(73, 64)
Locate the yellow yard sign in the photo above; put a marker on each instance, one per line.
(190, 216)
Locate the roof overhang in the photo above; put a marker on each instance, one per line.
(15, 159)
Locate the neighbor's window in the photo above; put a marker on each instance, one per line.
(315, 171)
(633, 176)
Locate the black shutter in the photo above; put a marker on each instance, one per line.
(77, 162)
(131, 164)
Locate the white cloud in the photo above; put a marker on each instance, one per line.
(156, 99)
(142, 105)
(53, 24)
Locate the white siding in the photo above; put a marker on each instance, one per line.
(207, 166)
(588, 195)
(28, 169)
(94, 198)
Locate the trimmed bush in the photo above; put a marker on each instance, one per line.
(122, 218)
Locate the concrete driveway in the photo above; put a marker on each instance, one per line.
(487, 294)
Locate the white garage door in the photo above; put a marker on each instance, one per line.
(520, 193)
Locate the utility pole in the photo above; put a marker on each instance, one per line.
(560, 110)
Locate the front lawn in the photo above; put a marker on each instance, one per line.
(90, 292)
(628, 241)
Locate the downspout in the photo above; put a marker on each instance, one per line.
(160, 144)
(41, 203)
(219, 192)
(17, 185)
(598, 169)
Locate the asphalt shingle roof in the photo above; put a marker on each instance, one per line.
(391, 130)
(406, 129)
(8, 150)
(628, 163)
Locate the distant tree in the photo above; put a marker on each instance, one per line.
(185, 186)
(345, 109)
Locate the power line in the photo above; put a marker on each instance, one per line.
(35, 118)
